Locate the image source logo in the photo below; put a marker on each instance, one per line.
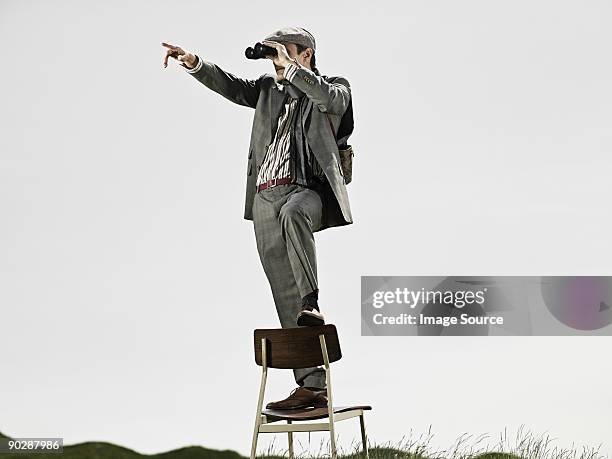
(485, 305)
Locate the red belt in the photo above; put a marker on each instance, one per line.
(274, 182)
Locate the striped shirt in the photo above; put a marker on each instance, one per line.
(277, 160)
(289, 154)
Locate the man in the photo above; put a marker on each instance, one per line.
(295, 185)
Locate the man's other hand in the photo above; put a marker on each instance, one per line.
(178, 53)
(282, 56)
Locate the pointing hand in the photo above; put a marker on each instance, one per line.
(178, 53)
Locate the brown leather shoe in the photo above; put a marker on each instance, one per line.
(301, 397)
(321, 400)
(309, 317)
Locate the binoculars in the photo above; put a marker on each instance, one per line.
(259, 51)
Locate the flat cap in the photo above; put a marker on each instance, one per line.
(296, 35)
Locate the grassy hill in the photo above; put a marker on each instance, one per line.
(103, 450)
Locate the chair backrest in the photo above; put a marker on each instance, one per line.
(297, 347)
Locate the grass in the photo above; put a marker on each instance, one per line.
(524, 445)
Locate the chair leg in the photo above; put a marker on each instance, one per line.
(254, 444)
(330, 402)
(262, 390)
(290, 437)
(332, 438)
(364, 439)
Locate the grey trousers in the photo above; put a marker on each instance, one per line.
(284, 218)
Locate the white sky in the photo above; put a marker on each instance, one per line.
(483, 139)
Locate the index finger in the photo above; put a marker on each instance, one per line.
(169, 46)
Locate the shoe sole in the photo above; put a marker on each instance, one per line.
(306, 318)
(297, 407)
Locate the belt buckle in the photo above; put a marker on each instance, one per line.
(272, 182)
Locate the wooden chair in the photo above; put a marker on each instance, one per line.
(301, 347)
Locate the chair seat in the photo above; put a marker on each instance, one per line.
(308, 414)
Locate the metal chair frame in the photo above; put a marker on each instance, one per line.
(263, 423)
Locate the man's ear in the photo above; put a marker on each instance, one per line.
(308, 54)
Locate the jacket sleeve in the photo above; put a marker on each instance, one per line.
(329, 97)
(238, 90)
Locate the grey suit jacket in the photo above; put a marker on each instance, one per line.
(327, 95)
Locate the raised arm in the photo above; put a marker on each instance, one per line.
(331, 97)
(238, 90)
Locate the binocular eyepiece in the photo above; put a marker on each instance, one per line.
(259, 51)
